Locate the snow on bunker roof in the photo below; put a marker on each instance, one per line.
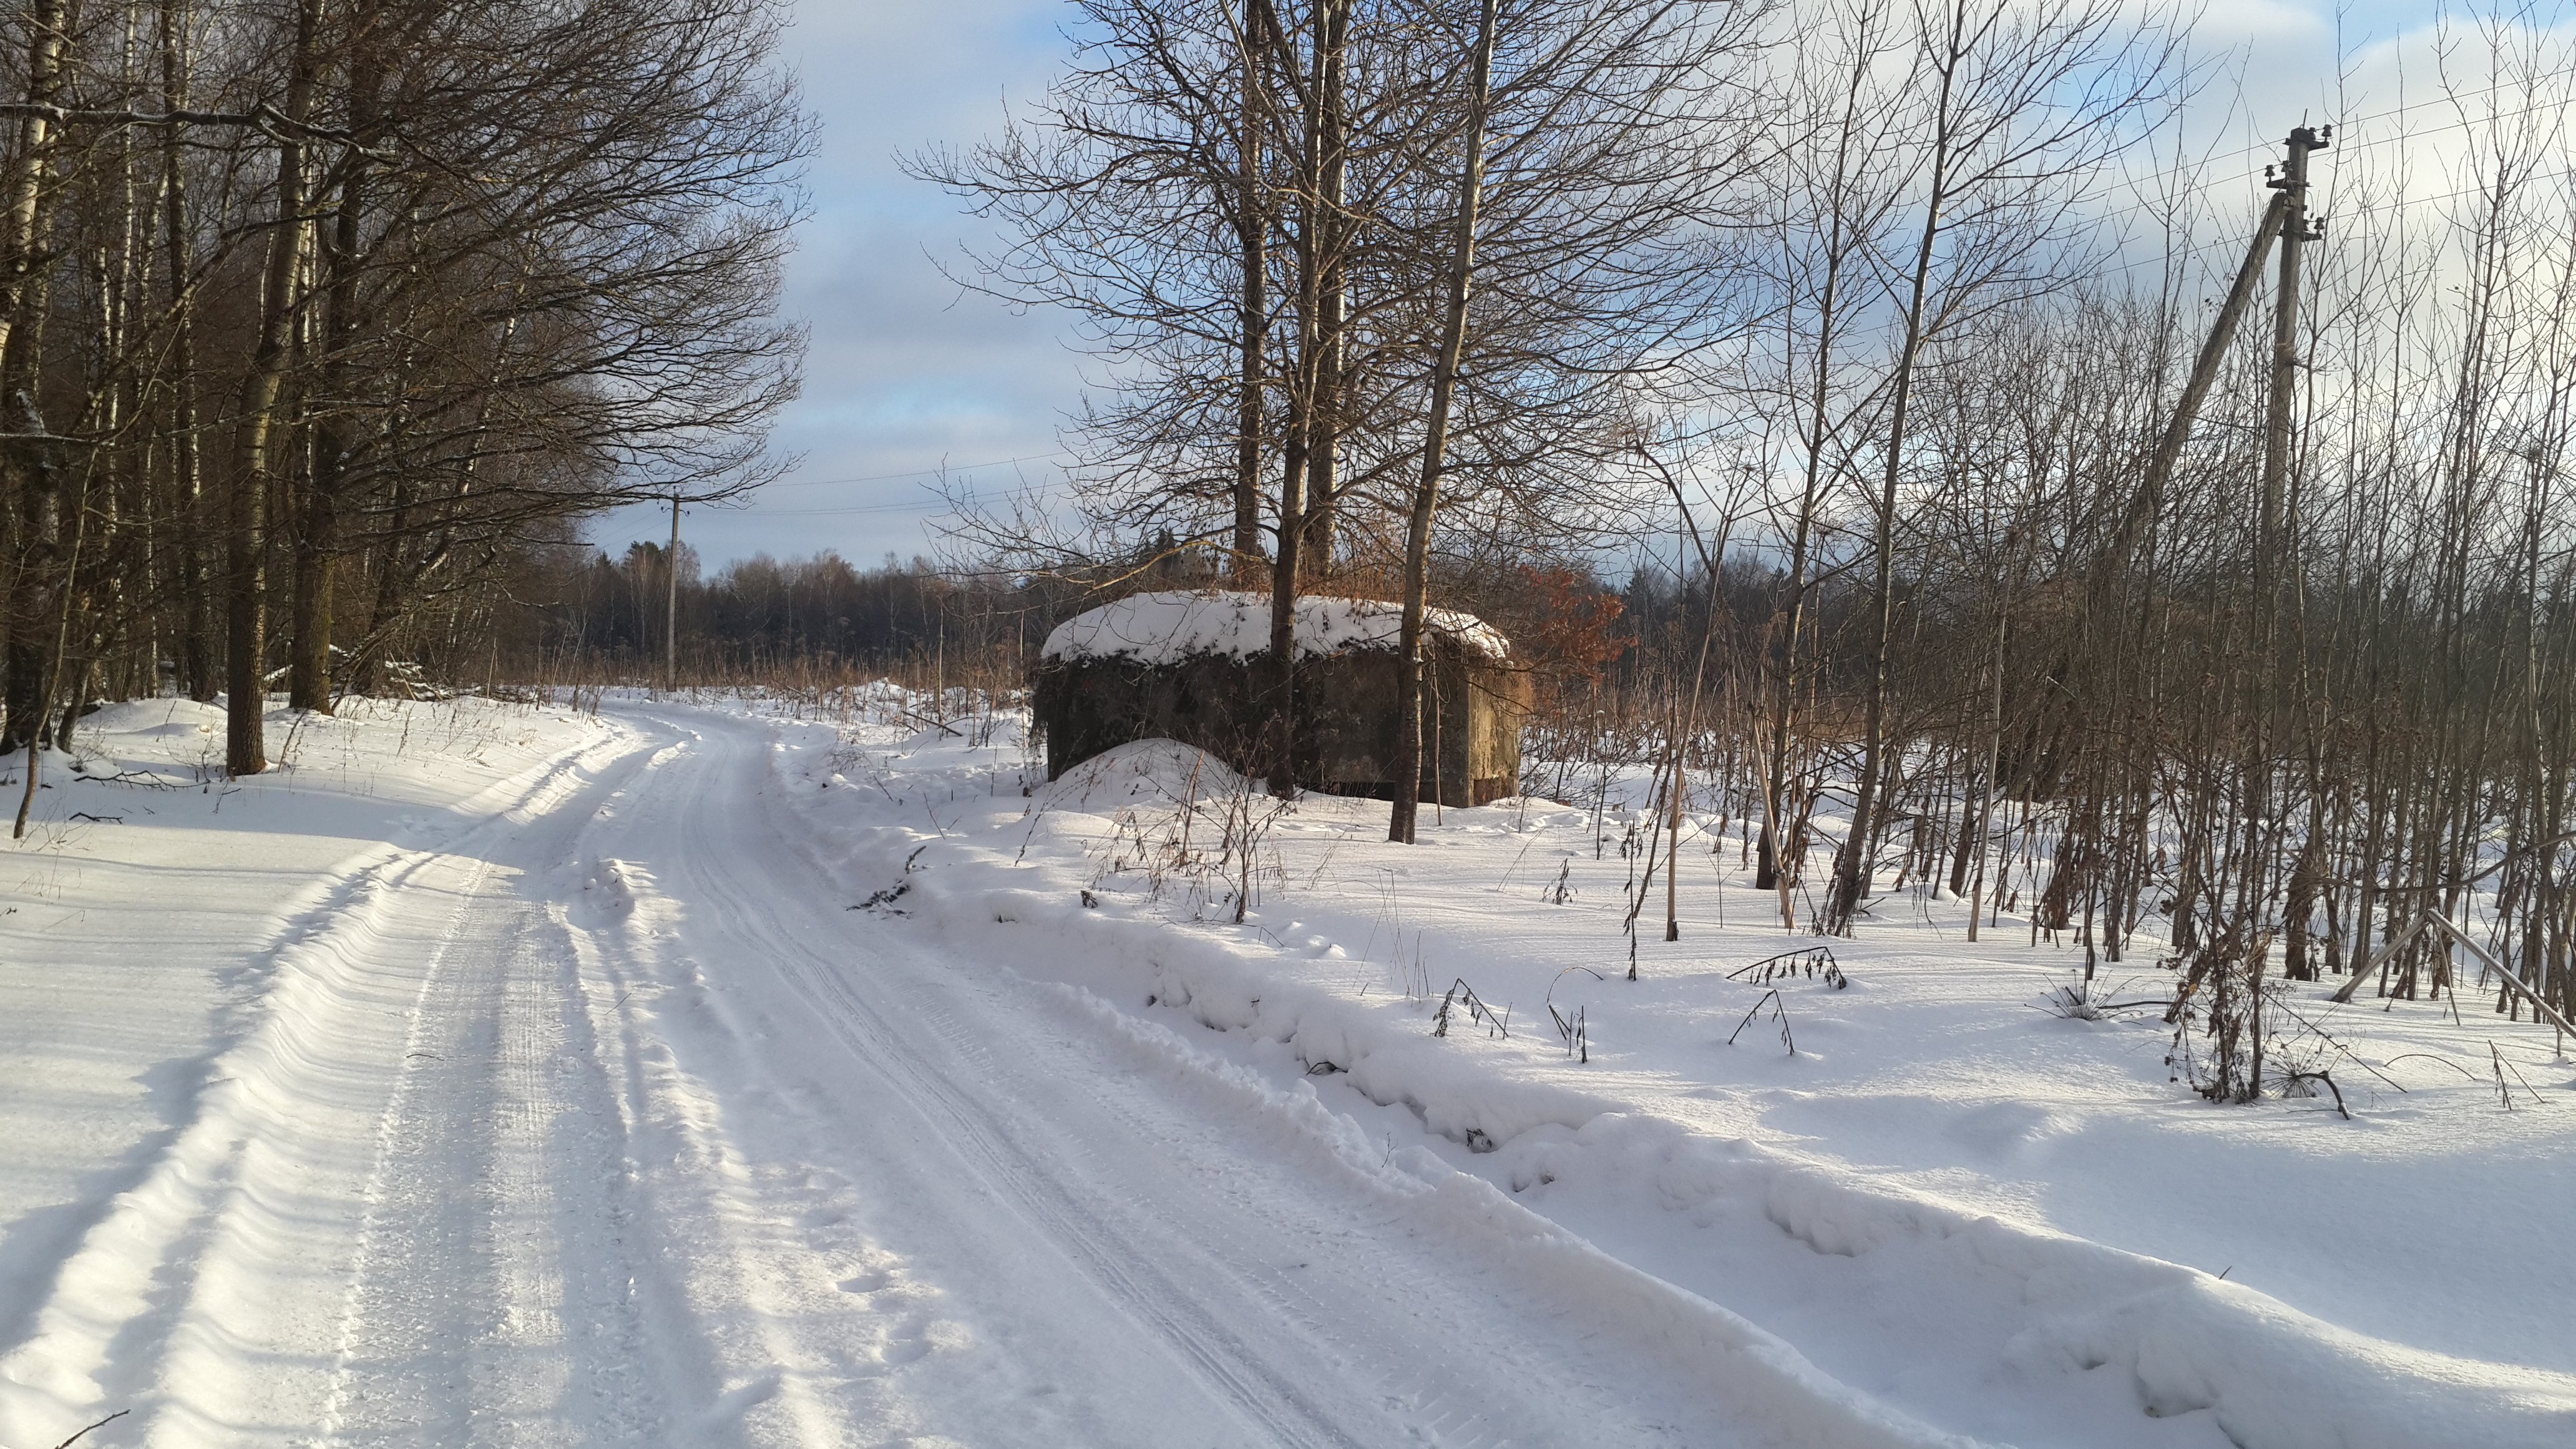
(1165, 628)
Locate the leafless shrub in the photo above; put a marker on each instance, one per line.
(1779, 1014)
(1790, 965)
(1559, 891)
(2084, 1000)
(1574, 1030)
(1207, 848)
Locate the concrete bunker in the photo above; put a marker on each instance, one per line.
(1194, 666)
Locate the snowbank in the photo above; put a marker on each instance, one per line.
(1163, 628)
(1142, 772)
(2037, 1304)
(152, 717)
(1925, 1313)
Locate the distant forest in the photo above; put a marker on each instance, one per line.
(601, 614)
(585, 613)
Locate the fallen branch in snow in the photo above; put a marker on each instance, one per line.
(110, 1419)
(139, 779)
(2327, 1077)
(2497, 1057)
(886, 898)
(2433, 1057)
(922, 719)
(2334, 1045)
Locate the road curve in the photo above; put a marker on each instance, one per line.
(608, 1120)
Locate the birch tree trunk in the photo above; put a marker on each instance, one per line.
(28, 469)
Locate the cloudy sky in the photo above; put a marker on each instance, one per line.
(906, 376)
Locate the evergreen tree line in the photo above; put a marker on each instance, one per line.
(583, 615)
(610, 618)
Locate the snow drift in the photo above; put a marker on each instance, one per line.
(2001, 1307)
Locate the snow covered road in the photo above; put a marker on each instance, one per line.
(1071, 1233)
(510, 1075)
(605, 1119)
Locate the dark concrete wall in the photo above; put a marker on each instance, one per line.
(1346, 734)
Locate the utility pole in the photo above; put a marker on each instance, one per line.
(671, 605)
(2292, 183)
(2270, 547)
(2110, 567)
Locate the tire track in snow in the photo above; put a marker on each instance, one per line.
(1423, 1394)
(430, 1254)
(1127, 1268)
(150, 1176)
(504, 1293)
(1024, 1129)
(196, 1299)
(343, 1136)
(562, 1299)
(716, 876)
(708, 1212)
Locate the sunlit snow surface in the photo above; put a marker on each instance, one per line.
(743, 1072)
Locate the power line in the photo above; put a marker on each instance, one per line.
(2237, 243)
(2345, 147)
(923, 505)
(908, 506)
(2224, 243)
(2367, 117)
(921, 472)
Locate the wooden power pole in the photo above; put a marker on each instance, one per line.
(2292, 183)
(2271, 549)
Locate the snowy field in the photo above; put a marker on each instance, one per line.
(716, 1073)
